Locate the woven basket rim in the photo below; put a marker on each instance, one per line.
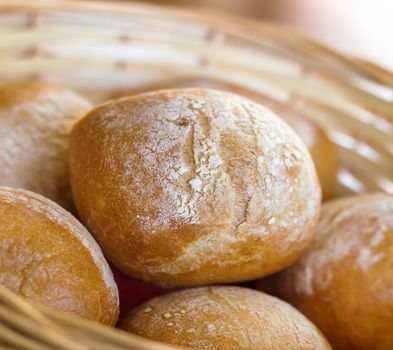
(215, 19)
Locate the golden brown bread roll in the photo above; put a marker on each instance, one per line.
(224, 318)
(344, 281)
(193, 186)
(35, 121)
(322, 149)
(48, 257)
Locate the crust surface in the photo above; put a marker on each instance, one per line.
(224, 318)
(35, 122)
(322, 149)
(48, 257)
(193, 186)
(344, 281)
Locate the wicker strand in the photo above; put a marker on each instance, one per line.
(20, 341)
(4, 346)
(37, 330)
(98, 331)
(25, 327)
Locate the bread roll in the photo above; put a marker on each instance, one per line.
(35, 121)
(48, 257)
(344, 281)
(194, 186)
(224, 318)
(322, 149)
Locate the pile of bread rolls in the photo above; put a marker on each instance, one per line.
(192, 185)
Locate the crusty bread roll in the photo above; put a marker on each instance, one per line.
(344, 281)
(35, 121)
(224, 318)
(48, 257)
(322, 149)
(193, 186)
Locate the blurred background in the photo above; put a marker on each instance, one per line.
(363, 28)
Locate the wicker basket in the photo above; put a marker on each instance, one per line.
(103, 48)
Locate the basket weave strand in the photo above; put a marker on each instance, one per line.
(23, 326)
